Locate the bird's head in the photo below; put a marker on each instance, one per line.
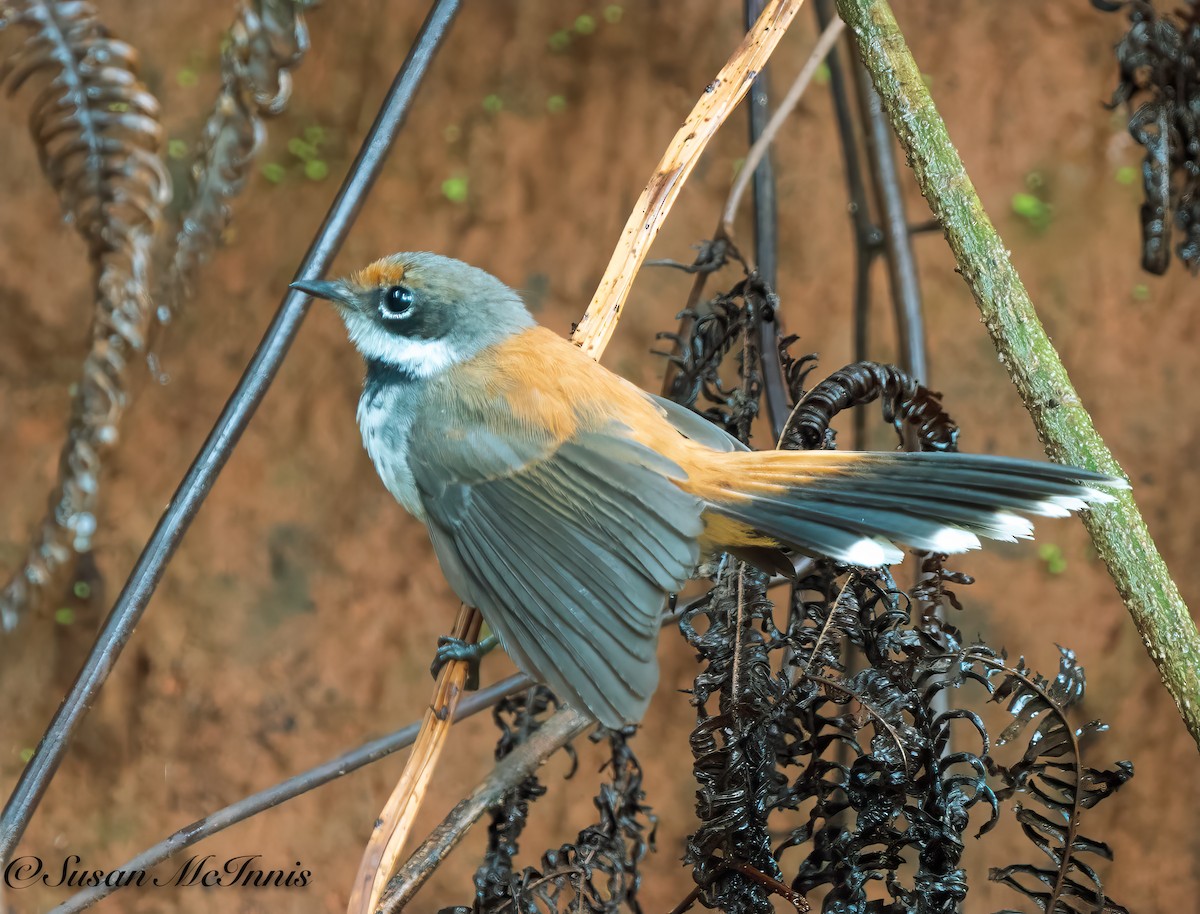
(419, 313)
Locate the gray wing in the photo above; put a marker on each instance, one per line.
(692, 425)
(569, 557)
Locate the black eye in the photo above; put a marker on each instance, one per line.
(396, 302)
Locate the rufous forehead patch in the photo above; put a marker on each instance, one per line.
(385, 272)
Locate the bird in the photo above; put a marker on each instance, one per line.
(566, 504)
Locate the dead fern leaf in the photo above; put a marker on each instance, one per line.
(98, 135)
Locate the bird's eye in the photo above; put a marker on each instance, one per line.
(396, 302)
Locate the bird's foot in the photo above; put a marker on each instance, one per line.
(450, 650)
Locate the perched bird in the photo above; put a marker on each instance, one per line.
(565, 503)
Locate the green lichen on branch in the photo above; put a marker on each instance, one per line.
(1063, 424)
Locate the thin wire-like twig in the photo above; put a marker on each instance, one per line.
(565, 724)
(186, 502)
(820, 51)
(766, 241)
(897, 240)
(867, 236)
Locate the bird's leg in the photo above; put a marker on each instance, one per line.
(452, 649)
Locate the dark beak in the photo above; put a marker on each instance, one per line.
(330, 290)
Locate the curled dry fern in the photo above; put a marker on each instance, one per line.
(267, 40)
(98, 135)
(598, 873)
(727, 324)
(905, 401)
(865, 760)
(1160, 85)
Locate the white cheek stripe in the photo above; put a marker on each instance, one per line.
(421, 358)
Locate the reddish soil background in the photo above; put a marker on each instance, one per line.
(299, 617)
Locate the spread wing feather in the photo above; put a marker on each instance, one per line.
(692, 425)
(569, 557)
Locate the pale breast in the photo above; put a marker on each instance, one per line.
(385, 417)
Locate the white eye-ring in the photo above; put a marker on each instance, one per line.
(396, 302)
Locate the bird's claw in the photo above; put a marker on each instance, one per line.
(450, 650)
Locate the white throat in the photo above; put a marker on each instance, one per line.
(415, 357)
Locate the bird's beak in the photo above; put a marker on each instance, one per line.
(330, 290)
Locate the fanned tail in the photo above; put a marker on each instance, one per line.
(855, 507)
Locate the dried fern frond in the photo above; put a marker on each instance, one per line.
(98, 136)
(94, 123)
(905, 402)
(1160, 86)
(267, 40)
(599, 873)
(1059, 787)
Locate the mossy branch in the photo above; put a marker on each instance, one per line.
(1063, 424)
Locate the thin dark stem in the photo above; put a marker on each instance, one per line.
(766, 217)
(771, 884)
(688, 901)
(897, 241)
(134, 598)
(290, 789)
(766, 245)
(867, 236)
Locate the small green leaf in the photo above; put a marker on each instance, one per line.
(1026, 204)
(1034, 210)
(177, 149)
(26, 754)
(560, 40)
(493, 104)
(273, 172)
(82, 590)
(315, 135)
(187, 77)
(1141, 292)
(455, 189)
(316, 170)
(1126, 174)
(556, 104)
(585, 24)
(64, 615)
(613, 13)
(301, 150)
(118, 107)
(821, 76)
(1052, 555)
